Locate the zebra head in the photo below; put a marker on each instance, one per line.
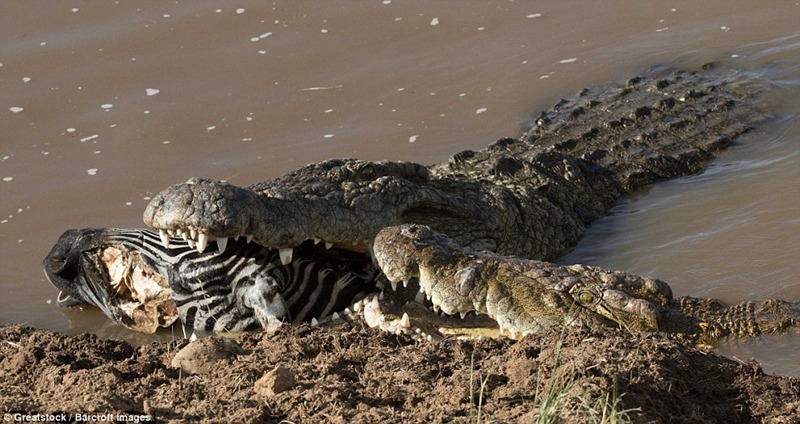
(134, 279)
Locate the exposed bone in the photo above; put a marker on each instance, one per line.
(141, 296)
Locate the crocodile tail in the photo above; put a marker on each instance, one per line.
(664, 124)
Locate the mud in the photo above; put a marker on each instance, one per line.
(352, 375)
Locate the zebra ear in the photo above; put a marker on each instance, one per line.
(268, 306)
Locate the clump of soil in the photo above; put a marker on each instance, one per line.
(358, 375)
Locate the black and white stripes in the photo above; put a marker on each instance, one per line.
(245, 286)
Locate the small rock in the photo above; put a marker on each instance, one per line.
(276, 381)
(202, 355)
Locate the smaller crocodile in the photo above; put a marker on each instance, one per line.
(529, 296)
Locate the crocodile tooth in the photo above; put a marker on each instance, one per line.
(357, 306)
(428, 337)
(222, 243)
(328, 245)
(405, 283)
(347, 312)
(192, 243)
(381, 296)
(405, 321)
(202, 242)
(236, 237)
(193, 233)
(171, 232)
(420, 297)
(394, 285)
(463, 315)
(314, 322)
(335, 316)
(317, 240)
(249, 238)
(436, 308)
(164, 238)
(373, 315)
(421, 289)
(183, 234)
(286, 255)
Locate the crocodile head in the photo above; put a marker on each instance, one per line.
(345, 202)
(523, 296)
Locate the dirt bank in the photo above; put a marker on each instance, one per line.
(353, 375)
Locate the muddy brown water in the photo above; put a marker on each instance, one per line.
(104, 104)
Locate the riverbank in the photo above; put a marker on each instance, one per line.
(345, 374)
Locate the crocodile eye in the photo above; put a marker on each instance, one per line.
(368, 172)
(585, 298)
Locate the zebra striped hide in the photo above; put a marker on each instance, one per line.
(135, 280)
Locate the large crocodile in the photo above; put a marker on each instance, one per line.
(531, 197)
(528, 296)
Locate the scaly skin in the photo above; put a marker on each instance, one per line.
(528, 296)
(530, 197)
